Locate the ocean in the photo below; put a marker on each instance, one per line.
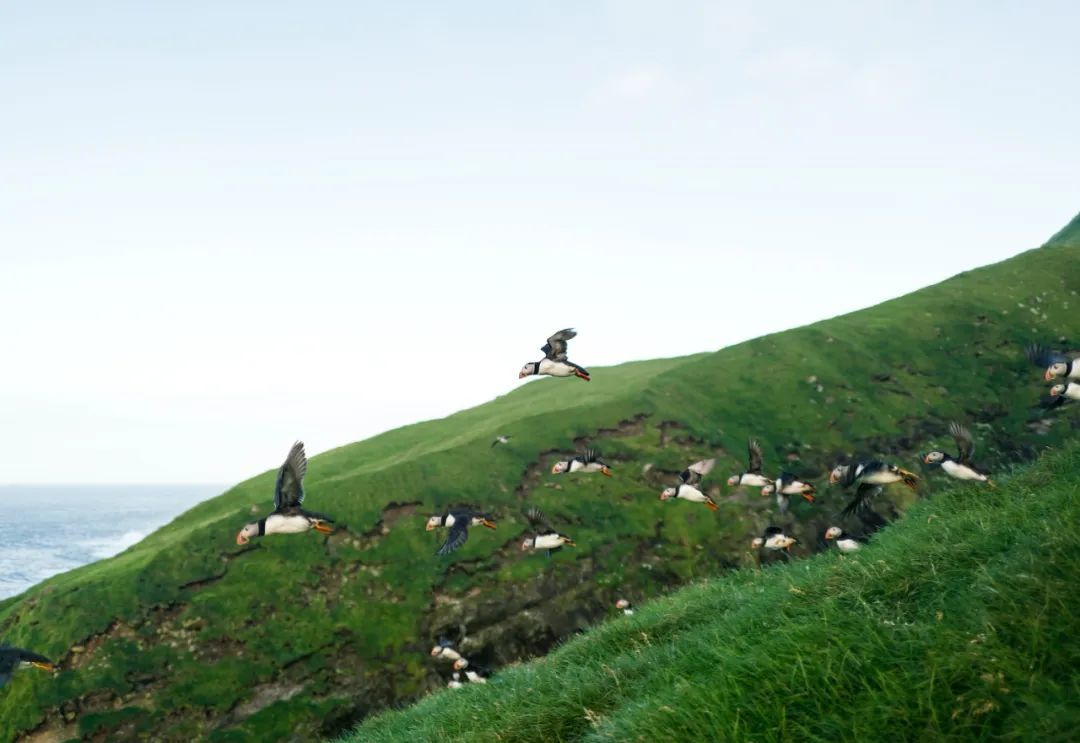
(48, 529)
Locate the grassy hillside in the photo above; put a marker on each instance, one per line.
(188, 636)
(960, 621)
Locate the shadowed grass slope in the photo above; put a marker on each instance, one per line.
(187, 636)
(957, 622)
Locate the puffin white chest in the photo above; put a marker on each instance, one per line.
(690, 493)
(547, 542)
(1072, 390)
(847, 545)
(754, 480)
(881, 477)
(960, 471)
(555, 368)
(277, 523)
(577, 466)
(775, 542)
(450, 520)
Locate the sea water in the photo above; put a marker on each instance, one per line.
(48, 529)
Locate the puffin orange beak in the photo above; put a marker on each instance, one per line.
(521, 375)
(488, 524)
(428, 527)
(241, 539)
(43, 666)
(926, 459)
(555, 470)
(1054, 393)
(833, 479)
(1048, 376)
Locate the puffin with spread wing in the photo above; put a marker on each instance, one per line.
(555, 363)
(288, 517)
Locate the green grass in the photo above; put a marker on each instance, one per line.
(958, 622)
(188, 636)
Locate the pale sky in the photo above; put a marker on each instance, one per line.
(226, 226)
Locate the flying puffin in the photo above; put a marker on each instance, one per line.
(752, 476)
(445, 650)
(590, 461)
(458, 521)
(870, 476)
(288, 517)
(555, 363)
(786, 485)
(687, 489)
(13, 659)
(625, 607)
(1056, 364)
(773, 539)
(844, 542)
(545, 537)
(500, 440)
(961, 467)
(1062, 393)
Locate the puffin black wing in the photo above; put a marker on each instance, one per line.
(1043, 357)
(965, 445)
(555, 348)
(592, 455)
(459, 533)
(539, 521)
(861, 502)
(772, 531)
(289, 489)
(692, 475)
(753, 449)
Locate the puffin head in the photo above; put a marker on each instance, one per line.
(622, 604)
(460, 664)
(560, 467)
(757, 543)
(528, 370)
(768, 490)
(433, 523)
(667, 493)
(1060, 369)
(527, 544)
(934, 457)
(734, 480)
(436, 651)
(1056, 390)
(245, 535)
(833, 532)
(837, 474)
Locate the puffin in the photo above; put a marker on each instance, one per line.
(590, 461)
(1062, 393)
(870, 477)
(545, 537)
(786, 485)
(458, 521)
(445, 650)
(843, 542)
(288, 517)
(774, 540)
(961, 466)
(687, 488)
(455, 682)
(472, 673)
(625, 607)
(500, 440)
(1055, 364)
(752, 476)
(12, 659)
(555, 363)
